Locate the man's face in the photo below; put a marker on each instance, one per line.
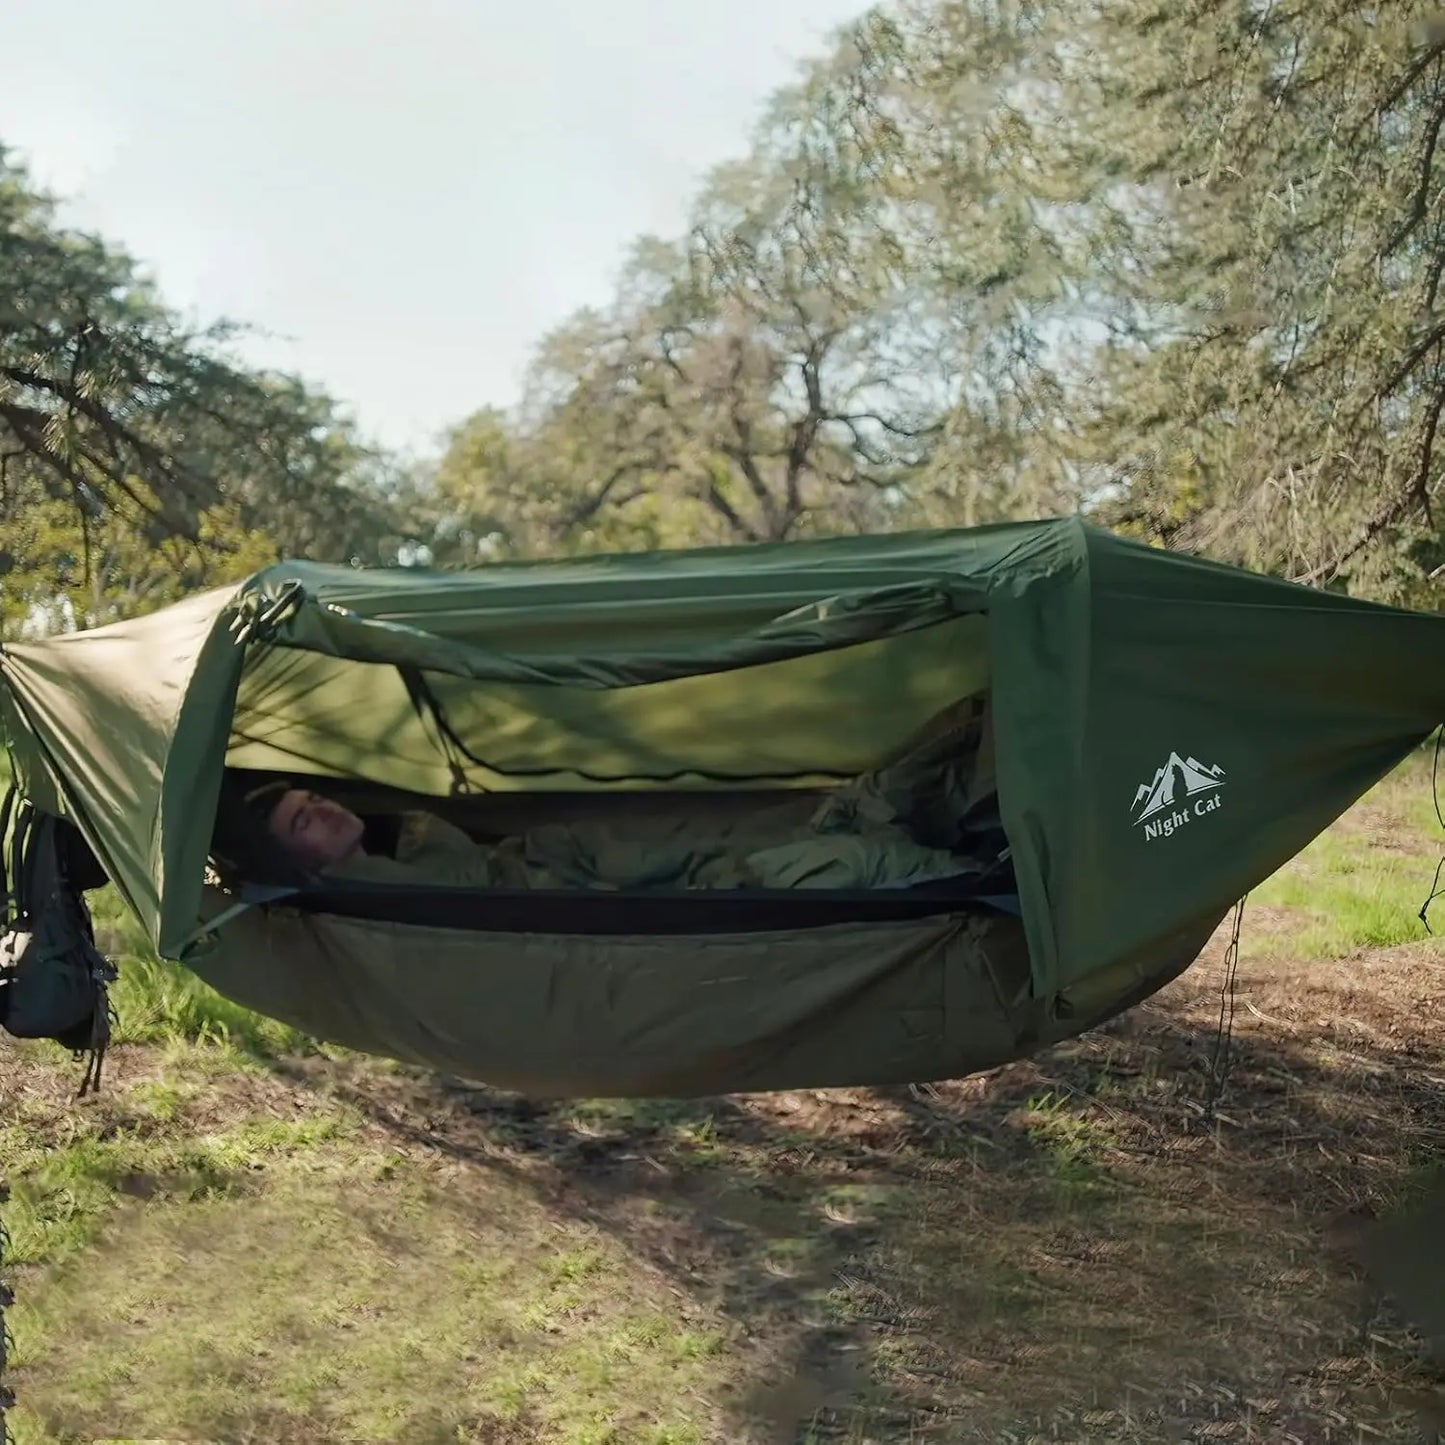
(316, 832)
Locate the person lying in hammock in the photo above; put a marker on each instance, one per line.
(325, 838)
(874, 833)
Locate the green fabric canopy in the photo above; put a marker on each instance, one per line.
(1168, 731)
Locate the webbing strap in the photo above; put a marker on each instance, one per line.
(13, 886)
(22, 862)
(249, 895)
(6, 808)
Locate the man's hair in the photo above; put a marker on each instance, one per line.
(242, 848)
(261, 800)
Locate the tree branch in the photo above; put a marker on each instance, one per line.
(713, 495)
(21, 421)
(1416, 493)
(1420, 203)
(116, 433)
(743, 452)
(805, 429)
(1417, 353)
(588, 507)
(1431, 54)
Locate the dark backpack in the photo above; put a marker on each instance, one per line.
(53, 980)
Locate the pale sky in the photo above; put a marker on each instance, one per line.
(406, 194)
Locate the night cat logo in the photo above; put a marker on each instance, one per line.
(1182, 790)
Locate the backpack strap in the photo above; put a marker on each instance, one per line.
(54, 982)
(22, 864)
(6, 808)
(19, 816)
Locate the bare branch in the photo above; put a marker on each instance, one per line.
(715, 498)
(588, 507)
(805, 429)
(1425, 169)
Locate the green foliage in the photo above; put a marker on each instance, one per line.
(1273, 253)
(807, 359)
(76, 573)
(157, 1001)
(138, 459)
(1176, 265)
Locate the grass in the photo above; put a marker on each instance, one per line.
(247, 1238)
(1361, 884)
(156, 1001)
(254, 1263)
(421, 1318)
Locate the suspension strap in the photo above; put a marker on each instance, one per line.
(1221, 1055)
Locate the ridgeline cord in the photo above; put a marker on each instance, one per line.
(1221, 1056)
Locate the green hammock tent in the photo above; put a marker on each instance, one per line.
(1160, 734)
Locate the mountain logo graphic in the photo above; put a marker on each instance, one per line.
(1178, 779)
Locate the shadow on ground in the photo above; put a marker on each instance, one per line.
(1067, 1248)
